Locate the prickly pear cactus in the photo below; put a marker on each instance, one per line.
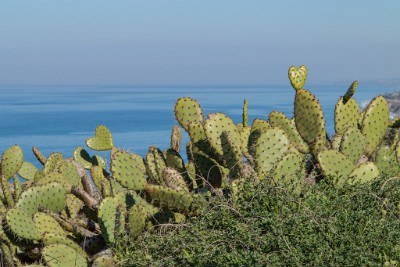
(102, 140)
(309, 119)
(169, 198)
(375, 123)
(136, 221)
(27, 171)
(21, 224)
(335, 166)
(129, 170)
(245, 115)
(11, 161)
(155, 162)
(347, 115)
(173, 179)
(258, 127)
(350, 92)
(82, 157)
(278, 119)
(107, 218)
(298, 76)
(364, 173)
(60, 255)
(270, 148)
(217, 123)
(353, 144)
(188, 110)
(176, 138)
(386, 161)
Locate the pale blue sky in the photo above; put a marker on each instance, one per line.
(196, 42)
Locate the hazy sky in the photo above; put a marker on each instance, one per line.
(196, 41)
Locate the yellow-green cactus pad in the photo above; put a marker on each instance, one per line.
(21, 224)
(309, 119)
(375, 123)
(102, 140)
(46, 224)
(27, 171)
(270, 148)
(155, 163)
(129, 170)
(298, 76)
(353, 144)
(290, 172)
(364, 173)
(347, 115)
(217, 123)
(350, 92)
(107, 218)
(188, 110)
(137, 221)
(11, 161)
(335, 166)
(60, 255)
(169, 198)
(173, 179)
(83, 158)
(278, 119)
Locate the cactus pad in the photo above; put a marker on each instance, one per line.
(290, 172)
(27, 171)
(366, 172)
(309, 119)
(46, 224)
(60, 255)
(346, 115)
(137, 220)
(374, 123)
(21, 224)
(107, 218)
(350, 92)
(173, 179)
(335, 166)
(11, 161)
(353, 144)
(50, 196)
(169, 198)
(217, 123)
(83, 158)
(271, 146)
(188, 110)
(102, 140)
(278, 119)
(129, 170)
(297, 76)
(176, 138)
(386, 161)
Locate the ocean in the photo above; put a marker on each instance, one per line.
(60, 118)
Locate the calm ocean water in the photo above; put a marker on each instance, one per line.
(60, 118)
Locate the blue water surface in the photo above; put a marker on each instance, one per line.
(60, 118)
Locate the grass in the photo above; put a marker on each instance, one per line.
(268, 226)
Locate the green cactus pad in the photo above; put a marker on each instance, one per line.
(83, 158)
(155, 164)
(176, 138)
(335, 166)
(244, 137)
(173, 179)
(191, 174)
(297, 76)
(271, 146)
(169, 198)
(364, 173)
(129, 170)
(353, 144)
(290, 172)
(51, 238)
(386, 161)
(232, 153)
(107, 215)
(69, 171)
(374, 123)
(258, 127)
(11, 161)
(74, 205)
(245, 115)
(196, 132)
(60, 255)
(52, 162)
(174, 160)
(217, 123)
(188, 110)
(39, 155)
(27, 171)
(21, 224)
(309, 119)
(102, 140)
(50, 177)
(350, 92)
(278, 119)
(99, 176)
(49, 196)
(347, 115)
(46, 224)
(137, 221)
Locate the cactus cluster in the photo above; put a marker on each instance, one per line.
(70, 211)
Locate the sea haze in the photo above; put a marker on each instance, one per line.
(60, 118)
